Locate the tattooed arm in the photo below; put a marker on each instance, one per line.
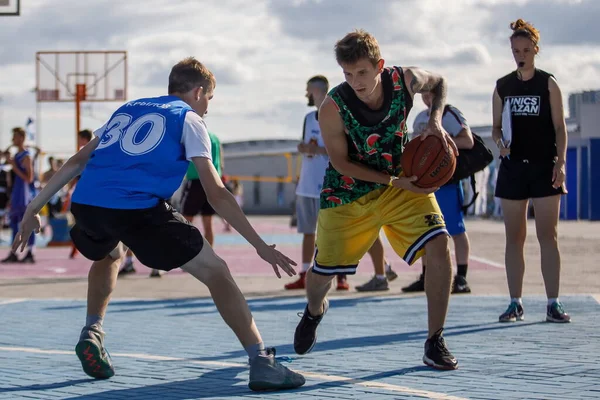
(421, 81)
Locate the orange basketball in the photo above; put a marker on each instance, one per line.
(428, 161)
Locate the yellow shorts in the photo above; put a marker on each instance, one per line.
(346, 233)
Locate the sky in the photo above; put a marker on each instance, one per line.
(262, 52)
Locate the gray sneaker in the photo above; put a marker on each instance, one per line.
(374, 285)
(389, 273)
(95, 360)
(266, 373)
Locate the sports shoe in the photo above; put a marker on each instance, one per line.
(94, 359)
(305, 336)
(374, 285)
(342, 283)
(389, 273)
(127, 268)
(556, 313)
(270, 351)
(28, 258)
(155, 273)
(298, 284)
(513, 313)
(73, 252)
(437, 354)
(460, 285)
(266, 373)
(416, 286)
(11, 258)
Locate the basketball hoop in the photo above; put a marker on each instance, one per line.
(77, 76)
(10, 8)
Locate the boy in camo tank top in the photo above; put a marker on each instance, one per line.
(363, 123)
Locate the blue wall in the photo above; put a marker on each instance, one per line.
(583, 181)
(569, 202)
(594, 172)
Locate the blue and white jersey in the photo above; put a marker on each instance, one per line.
(143, 154)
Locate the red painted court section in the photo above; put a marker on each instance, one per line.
(241, 257)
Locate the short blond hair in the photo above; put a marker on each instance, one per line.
(188, 74)
(356, 46)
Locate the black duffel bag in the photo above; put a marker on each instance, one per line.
(471, 161)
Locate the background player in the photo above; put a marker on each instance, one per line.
(449, 197)
(120, 198)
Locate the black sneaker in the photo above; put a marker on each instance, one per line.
(437, 354)
(460, 285)
(416, 286)
(11, 258)
(94, 359)
(513, 313)
(28, 258)
(556, 313)
(305, 336)
(155, 273)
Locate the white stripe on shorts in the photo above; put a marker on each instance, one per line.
(334, 271)
(424, 239)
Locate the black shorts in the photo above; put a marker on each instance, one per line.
(522, 180)
(159, 236)
(194, 201)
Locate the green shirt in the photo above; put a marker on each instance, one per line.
(378, 146)
(215, 150)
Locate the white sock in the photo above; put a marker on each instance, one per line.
(552, 300)
(388, 267)
(517, 300)
(382, 277)
(30, 248)
(305, 267)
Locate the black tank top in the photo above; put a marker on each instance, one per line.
(376, 138)
(533, 134)
(364, 115)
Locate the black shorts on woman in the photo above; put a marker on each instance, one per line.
(527, 172)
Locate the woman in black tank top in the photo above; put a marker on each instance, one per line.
(530, 130)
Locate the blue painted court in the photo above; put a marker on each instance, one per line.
(368, 348)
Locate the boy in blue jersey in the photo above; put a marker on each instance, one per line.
(21, 193)
(137, 160)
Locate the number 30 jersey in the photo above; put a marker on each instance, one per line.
(143, 154)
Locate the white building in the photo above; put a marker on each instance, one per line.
(268, 169)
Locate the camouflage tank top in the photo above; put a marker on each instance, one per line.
(376, 139)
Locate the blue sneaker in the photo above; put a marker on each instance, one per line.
(513, 313)
(556, 313)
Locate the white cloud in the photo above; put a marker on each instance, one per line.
(263, 51)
